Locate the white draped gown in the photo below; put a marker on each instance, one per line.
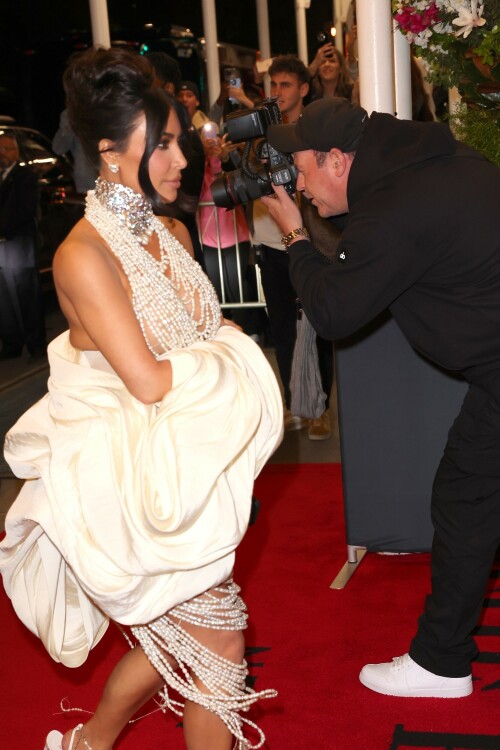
(129, 509)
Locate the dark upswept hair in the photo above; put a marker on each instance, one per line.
(107, 90)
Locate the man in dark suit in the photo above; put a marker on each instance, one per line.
(21, 316)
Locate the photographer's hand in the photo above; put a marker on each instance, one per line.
(283, 210)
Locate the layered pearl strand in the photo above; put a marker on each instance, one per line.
(174, 302)
(228, 693)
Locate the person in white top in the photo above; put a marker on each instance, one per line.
(290, 84)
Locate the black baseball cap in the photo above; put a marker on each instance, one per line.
(330, 122)
(190, 86)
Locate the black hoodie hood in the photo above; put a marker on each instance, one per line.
(389, 145)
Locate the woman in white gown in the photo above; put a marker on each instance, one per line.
(139, 462)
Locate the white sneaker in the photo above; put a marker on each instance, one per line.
(293, 422)
(405, 678)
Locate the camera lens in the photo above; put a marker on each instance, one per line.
(235, 188)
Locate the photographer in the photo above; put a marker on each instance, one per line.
(442, 287)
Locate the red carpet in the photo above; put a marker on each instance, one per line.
(305, 639)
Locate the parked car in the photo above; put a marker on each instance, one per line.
(60, 206)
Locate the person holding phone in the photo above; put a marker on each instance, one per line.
(232, 96)
(330, 76)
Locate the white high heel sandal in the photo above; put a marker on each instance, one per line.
(54, 739)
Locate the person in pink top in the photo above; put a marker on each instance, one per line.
(227, 230)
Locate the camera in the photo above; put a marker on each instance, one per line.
(273, 167)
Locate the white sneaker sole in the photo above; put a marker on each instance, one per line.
(325, 436)
(461, 690)
(293, 426)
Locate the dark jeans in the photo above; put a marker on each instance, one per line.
(252, 320)
(21, 310)
(281, 300)
(466, 518)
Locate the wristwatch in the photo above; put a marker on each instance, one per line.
(299, 232)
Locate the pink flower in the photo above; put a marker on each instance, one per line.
(413, 21)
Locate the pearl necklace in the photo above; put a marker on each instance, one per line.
(227, 694)
(173, 310)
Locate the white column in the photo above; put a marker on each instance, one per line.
(263, 29)
(374, 23)
(338, 23)
(100, 23)
(300, 19)
(402, 75)
(212, 52)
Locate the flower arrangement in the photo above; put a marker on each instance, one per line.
(459, 39)
(460, 42)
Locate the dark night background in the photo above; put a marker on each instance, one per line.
(37, 37)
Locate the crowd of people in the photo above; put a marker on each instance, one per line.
(150, 366)
(228, 246)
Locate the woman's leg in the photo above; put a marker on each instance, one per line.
(204, 636)
(134, 681)
(204, 730)
(131, 683)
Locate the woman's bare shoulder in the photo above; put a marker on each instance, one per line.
(83, 247)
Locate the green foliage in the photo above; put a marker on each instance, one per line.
(478, 128)
(488, 48)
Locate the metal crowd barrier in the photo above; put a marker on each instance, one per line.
(260, 302)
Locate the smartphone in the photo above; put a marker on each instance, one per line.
(209, 131)
(232, 76)
(323, 38)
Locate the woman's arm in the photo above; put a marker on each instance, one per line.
(92, 291)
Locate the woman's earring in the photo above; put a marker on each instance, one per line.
(114, 168)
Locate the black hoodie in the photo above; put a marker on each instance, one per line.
(422, 238)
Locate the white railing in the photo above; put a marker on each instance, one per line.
(242, 303)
